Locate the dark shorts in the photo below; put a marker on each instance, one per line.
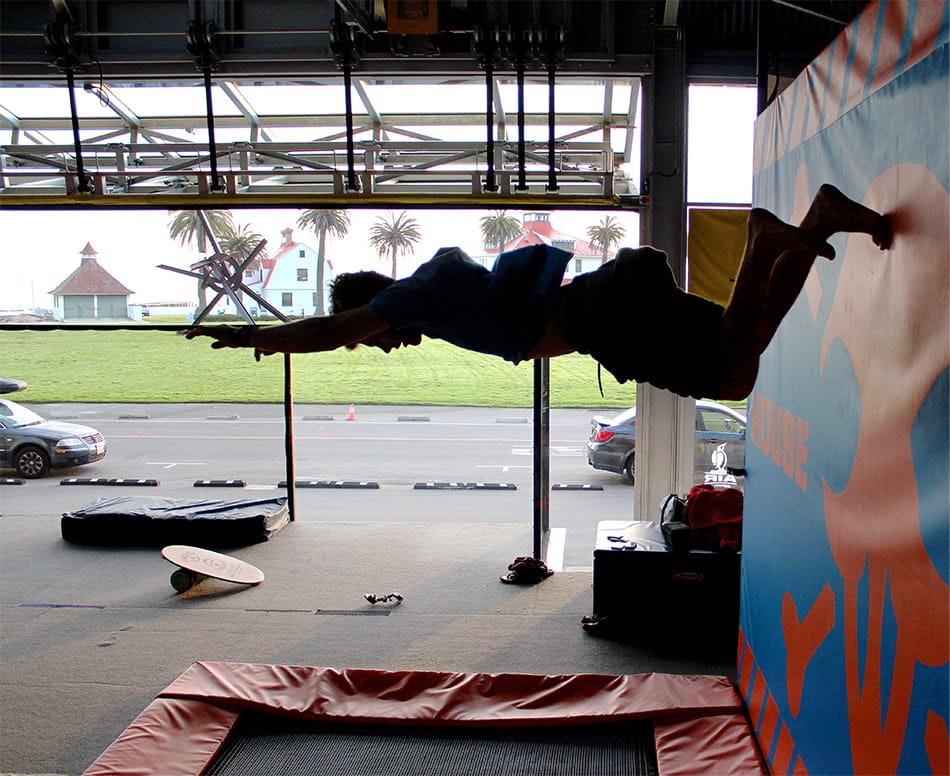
(633, 319)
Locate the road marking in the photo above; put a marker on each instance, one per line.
(173, 464)
(555, 450)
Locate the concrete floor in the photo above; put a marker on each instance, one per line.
(89, 636)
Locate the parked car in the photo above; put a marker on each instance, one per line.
(612, 443)
(9, 385)
(32, 445)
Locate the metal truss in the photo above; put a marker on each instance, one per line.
(413, 156)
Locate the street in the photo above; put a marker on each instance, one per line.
(394, 461)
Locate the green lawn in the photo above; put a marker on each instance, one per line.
(159, 367)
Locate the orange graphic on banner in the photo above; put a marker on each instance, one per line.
(802, 639)
(883, 313)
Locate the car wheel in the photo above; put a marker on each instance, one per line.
(628, 469)
(31, 462)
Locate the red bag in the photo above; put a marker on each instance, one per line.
(715, 517)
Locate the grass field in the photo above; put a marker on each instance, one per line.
(162, 367)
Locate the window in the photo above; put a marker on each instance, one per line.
(713, 420)
(578, 266)
(287, 299)
(302, 253)
(302, 274)
(719, 147)
(564, 245)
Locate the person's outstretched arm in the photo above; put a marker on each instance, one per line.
(309, 335)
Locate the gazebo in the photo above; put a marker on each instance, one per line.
(91, 292)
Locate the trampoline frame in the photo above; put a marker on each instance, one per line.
(700, 722)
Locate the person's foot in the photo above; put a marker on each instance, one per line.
(832, 211)
(768, 236)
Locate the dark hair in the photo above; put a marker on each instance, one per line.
(353, 289)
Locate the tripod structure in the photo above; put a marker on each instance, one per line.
(224, 274)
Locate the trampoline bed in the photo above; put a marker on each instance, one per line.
(241, 718)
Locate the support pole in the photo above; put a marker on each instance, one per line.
(58, 38)
(200, 42)
(522, 172)
(84, 183)
(289, 438)
(665, 422)
(212, 146)
(490, 184)
(762, 20)
(552, 168)
(555, 41)
(341, 41)
(542, 455)
(352, 185)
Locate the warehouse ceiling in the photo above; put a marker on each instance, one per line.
(250, 96)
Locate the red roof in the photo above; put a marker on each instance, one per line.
(544, 233)
(89, 278)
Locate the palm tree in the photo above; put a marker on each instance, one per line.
(186, 228)
(337, 223)
(498, 229)
(606, 233)
(239, 242)
(396, 235)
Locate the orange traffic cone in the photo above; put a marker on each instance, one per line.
(352, 413)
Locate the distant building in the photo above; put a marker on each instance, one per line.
(288, 279)
(90, 292)
(537, 229)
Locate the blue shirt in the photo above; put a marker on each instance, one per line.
(501, 311)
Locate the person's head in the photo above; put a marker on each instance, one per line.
(354, 289)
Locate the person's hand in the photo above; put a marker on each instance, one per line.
(227, 336)
(224, 335)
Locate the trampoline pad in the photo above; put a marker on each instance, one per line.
(155, 522)
(247, 718)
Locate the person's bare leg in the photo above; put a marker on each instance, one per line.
(832, 211)
(775, 265)
(744, 318)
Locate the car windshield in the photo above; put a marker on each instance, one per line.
(13, 415)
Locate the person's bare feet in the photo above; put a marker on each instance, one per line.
(768, 236)
(832, 211)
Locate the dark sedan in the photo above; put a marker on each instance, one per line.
(720, 441)
(32, 445)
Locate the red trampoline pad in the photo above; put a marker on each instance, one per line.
(699, 721)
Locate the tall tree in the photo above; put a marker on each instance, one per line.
(395, 235)
(187, 229)
(604, 234)
(323, 222)
(239, 242)
(498, 229)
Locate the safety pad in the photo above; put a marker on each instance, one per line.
(194, 724)
(156, 522)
